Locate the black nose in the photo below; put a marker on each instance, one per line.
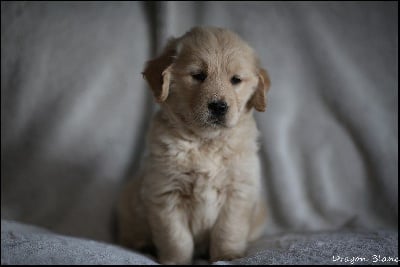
(218, 108)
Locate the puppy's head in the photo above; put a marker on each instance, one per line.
(208, 78)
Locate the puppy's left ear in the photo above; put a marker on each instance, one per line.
(259, 98)
(158, 71)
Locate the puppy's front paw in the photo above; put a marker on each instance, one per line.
(227, 256)
(174, 261)
(168, 262)
(178, 256)
(228, 252)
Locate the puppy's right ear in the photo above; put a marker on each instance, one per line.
(158, 71)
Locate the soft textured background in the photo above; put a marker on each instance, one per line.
(74, 108)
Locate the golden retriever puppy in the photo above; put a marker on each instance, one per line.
(199, 189)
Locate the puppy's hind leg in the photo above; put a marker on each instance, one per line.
(259, 218)
(133, 229)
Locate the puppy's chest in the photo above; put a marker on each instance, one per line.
(201, 173)
(204, 167)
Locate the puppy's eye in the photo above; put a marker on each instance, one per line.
(235, 80)
(201, 76)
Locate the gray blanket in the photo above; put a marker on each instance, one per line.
(75, 110)
(24, 244)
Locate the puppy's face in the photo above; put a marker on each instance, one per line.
(208, 78)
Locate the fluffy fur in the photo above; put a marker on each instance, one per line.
(199, 190)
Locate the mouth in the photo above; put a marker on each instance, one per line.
(216, 121)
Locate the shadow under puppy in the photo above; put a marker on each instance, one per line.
(199, 189)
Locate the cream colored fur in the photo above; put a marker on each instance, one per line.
(199, 190)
